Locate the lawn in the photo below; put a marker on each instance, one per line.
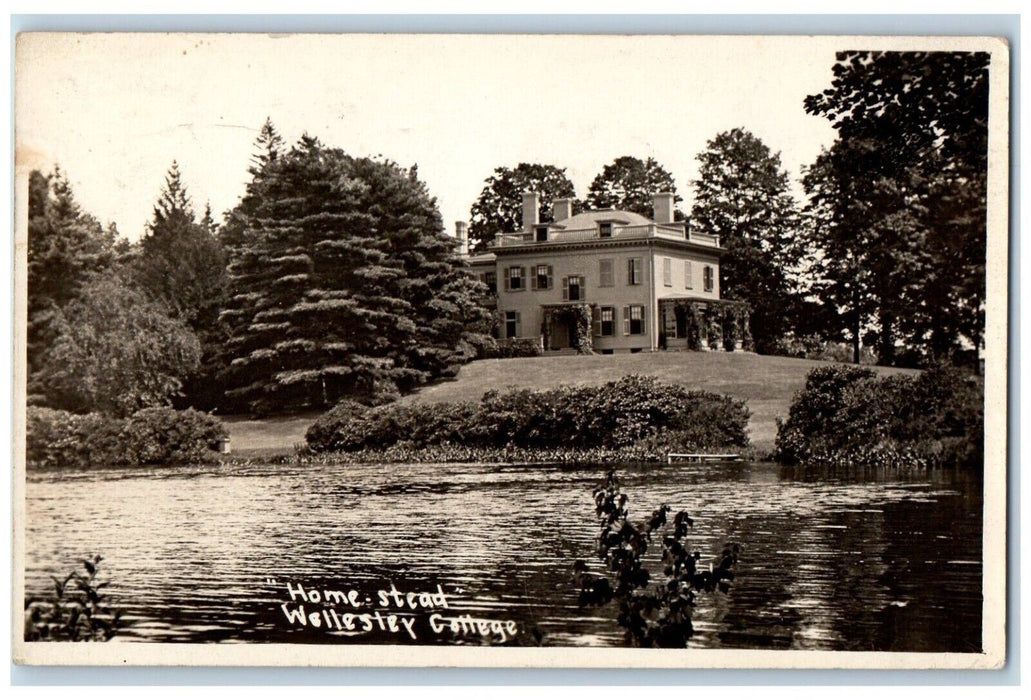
(766, 383)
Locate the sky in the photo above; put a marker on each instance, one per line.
(114, 110)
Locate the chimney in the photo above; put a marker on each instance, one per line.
(562, 209)
(462, 234)
(662, 203)
(531, 211)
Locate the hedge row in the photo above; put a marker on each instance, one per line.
(632, 411)
(849, 415)
(150, 436)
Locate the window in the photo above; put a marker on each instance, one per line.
(515, 279)
(491, 280)
(633, 271)
(667, 272)
(707, 278)
(605, 230)
(633, 320)
(606, 321)
(541, 278)
(542, 234)
(573, 288)
(606, 276)
(511, 324)
(688, 282)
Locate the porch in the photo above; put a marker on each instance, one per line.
(704, 325)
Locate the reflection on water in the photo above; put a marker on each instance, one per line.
(875, 560)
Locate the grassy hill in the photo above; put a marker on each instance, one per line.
(766, 383)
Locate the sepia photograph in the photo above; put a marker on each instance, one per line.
(510, 350)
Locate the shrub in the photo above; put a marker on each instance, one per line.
(617, 415)
(512, 347)
(848, 413)
(167, 436)
(76, 610)
(151, 436)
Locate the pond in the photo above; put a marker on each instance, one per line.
(868, 560)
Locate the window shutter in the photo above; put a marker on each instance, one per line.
(565, 289)
(596, 320)
(630, 271)
(583, 288)
(626, 320)
(551, 272)
(644, 318)
(533, 278)
(508, 279)
(519, 325)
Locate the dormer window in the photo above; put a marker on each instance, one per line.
(541, 234)
(605, 229)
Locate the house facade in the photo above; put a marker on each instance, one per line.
(609, 281)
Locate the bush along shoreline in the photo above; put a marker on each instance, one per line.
(633, 419)
(151, 436)
(847, 416)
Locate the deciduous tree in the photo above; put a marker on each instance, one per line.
(913, 130)
(629, 183)
(743, 196)
(116, 351)
(498, 209)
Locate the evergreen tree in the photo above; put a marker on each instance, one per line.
(629, 183)
(743, 196)
(343, 282)
(498, 209)
(182, 264)
(67, 248)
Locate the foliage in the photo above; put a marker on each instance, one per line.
(629, 183)
(76, 611)
(646, 451)
(659, 615)
(743, 196)
(513, 347)
(498, 209)
(897, 212)
(167, 436)
(151, 436)
(67, 249)
(341, 276)
(616, 415)
(182, 265)
(936, 417)
(116, 351)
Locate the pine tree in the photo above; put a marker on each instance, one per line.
(67, 249)
(181, 262)
(337, 277)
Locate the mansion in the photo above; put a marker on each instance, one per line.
(609, 281)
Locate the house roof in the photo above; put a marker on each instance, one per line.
(590, 219)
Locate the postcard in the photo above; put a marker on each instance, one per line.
(511, 350)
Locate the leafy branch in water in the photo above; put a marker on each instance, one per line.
(75, 610)
(660, 615)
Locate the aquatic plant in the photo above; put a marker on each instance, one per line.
(76, 610)
(659, 615)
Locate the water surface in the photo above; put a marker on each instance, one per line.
(874, 560)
